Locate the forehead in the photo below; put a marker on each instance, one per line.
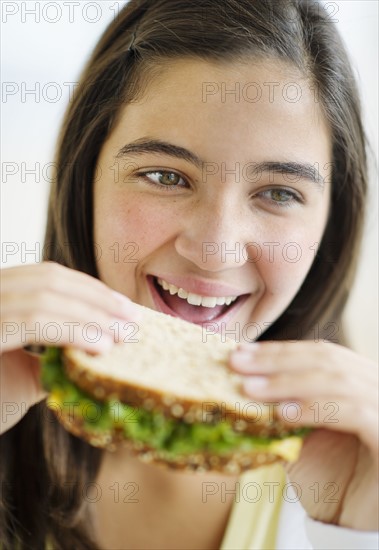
(246, 111)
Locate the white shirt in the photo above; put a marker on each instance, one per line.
(298, 531)
(261, 519)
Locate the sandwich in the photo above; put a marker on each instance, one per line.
(168, 396)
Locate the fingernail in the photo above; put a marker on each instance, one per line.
(255, 383)
(251, 347)
(241, 359)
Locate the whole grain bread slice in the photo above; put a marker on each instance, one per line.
(176, 367)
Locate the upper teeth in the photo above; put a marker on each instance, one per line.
(196, 299)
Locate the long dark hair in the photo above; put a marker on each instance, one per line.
(40, 459)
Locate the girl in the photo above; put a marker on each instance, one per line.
(217, 147)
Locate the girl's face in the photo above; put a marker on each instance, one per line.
(217, 182)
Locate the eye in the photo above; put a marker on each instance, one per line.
(163, 178)
(281, 196)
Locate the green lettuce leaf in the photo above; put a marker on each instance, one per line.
(151, 427)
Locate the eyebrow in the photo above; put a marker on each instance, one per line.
(299, 170)
(156, 146)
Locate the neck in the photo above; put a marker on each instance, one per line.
(180, 508)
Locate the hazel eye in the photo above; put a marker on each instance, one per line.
(168, 178)
(281, 197)
(164, 178)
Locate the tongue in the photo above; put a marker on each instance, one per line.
(194, 314)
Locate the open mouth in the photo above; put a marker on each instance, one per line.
(191, 307)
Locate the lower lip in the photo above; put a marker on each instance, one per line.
(218, 323)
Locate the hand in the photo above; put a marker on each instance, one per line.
(334, 390)
(52, 305)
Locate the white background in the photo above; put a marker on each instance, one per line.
(48, 42)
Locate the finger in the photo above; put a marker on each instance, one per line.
(268, 358)
(338, 415)
(57, 321)
(320, 407)
(26, 280)
(311, 384)
(271, 357)
(30, 307)
(56, 331)
(318, 413)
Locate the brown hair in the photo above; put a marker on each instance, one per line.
(45, 466)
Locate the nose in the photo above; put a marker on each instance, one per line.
(216, 236)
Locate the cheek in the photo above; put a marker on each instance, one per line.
(282, 268)
(288, 248)
(128, 229)
(285, 262)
